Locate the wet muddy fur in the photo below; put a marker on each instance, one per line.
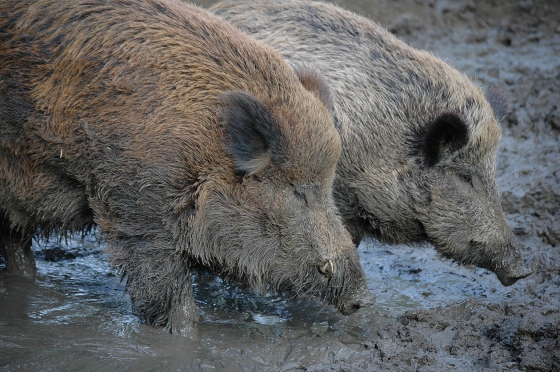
(183, 140)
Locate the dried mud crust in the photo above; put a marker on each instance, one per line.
(514, 45)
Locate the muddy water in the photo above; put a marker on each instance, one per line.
(77, 315)
(430, 315)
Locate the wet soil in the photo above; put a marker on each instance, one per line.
(430, 315)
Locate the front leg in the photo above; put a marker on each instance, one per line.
(160, 286)
(16, 248)
(183, 316)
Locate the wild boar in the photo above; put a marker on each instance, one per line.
(184, 140)
(419, 138)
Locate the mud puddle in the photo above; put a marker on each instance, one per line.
(76, 314)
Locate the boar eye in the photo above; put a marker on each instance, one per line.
(467, 178)
(300, 195)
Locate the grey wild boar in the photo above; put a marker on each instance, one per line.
(419, 138)
(185, 141)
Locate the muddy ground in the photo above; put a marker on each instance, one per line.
(431, 315)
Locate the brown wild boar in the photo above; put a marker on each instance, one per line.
(419, 138)
(183, 139)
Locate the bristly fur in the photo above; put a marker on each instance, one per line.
(110, 115)
(419, 139)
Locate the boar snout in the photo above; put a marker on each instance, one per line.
(346, 285)
(506, 262)
(362, 298)
(508, 278)
(511, 272)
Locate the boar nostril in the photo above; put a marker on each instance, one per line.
(327, 268)
(359, 300)
(352, 307)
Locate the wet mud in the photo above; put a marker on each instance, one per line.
(430, 315)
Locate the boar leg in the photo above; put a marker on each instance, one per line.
(160, 286)
(183, 315)
(16, 248)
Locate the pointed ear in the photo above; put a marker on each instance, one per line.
(446, 133)
(314, 82)
(499, 101)
(251, 135)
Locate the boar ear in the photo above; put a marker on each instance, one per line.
(446, 133)
(314, 82)
(251, 135)
(499, 101)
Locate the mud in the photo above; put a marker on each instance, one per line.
(430, 314)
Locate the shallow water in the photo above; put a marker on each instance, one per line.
(76, 314)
